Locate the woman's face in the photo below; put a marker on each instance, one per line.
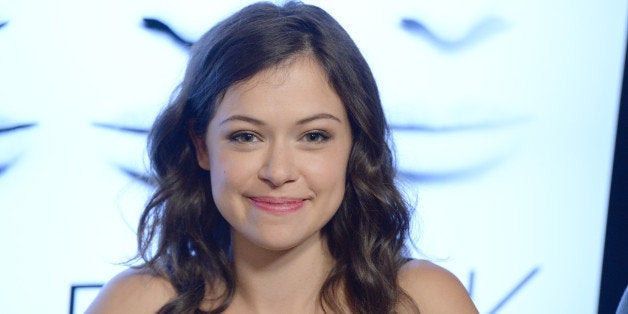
(277, 151)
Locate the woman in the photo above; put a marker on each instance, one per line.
(276, 189)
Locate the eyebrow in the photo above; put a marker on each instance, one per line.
(483, 29)
(300, 122)
(121, 128)
(15, 127)
(160, 26)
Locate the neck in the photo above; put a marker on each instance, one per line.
(268, 281)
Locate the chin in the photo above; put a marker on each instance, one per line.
(282, 241)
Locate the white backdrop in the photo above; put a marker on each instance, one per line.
(503, 112)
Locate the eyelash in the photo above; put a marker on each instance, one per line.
(246, 137)
(239, 137)
(320, 137)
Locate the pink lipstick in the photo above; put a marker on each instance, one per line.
(277, 205)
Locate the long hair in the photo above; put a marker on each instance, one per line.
(181, 234)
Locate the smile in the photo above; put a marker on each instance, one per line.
(277, 205)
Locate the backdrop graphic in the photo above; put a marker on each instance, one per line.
(503, 114)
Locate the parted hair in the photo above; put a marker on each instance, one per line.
(181, 234)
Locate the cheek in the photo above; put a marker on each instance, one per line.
(228, 176)
(329, 174)
(231, 173)
(228, 181)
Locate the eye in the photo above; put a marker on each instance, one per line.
(244, 137)
(316, 137)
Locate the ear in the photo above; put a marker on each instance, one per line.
(200, 148)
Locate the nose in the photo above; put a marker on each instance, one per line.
(279, 166)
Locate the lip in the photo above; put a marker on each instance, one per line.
(277, 205)
(427, 153)
(13, 141)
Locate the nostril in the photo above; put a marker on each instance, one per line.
(277, 176)
(278, 173)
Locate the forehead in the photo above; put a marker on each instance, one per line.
(295, 66)
(298, 82)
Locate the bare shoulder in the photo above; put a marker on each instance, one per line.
(434, 289)
(132, 291)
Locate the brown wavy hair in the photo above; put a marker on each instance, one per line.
(181, 234)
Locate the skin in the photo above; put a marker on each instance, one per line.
(278, 141)
(277, 150)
